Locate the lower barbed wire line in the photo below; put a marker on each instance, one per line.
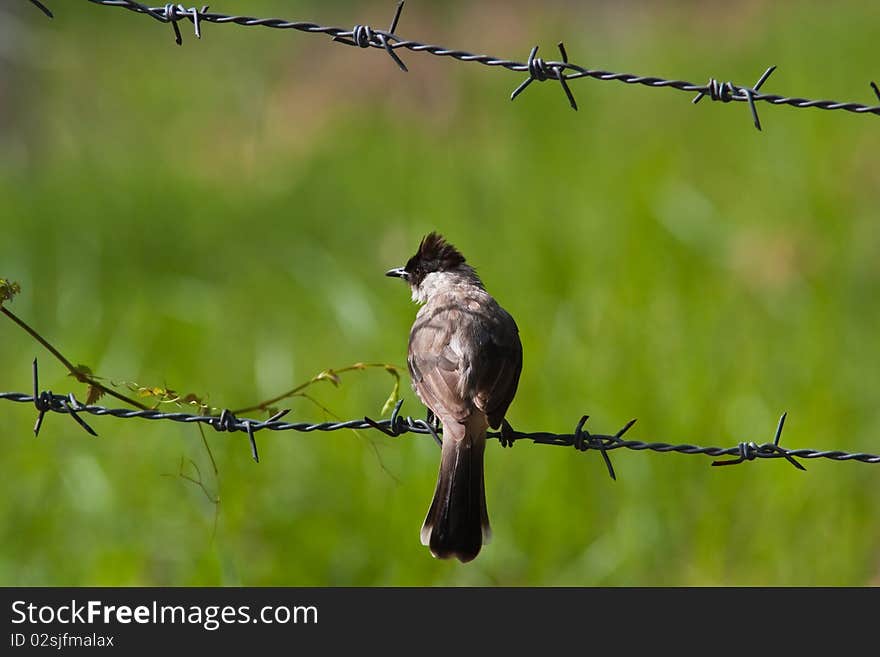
(546, 70)
(398, 425)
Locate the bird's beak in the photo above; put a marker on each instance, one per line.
(398, 272)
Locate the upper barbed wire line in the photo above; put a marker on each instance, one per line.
(310, 27)
(556, 70)
(170, 13)
(43, 8)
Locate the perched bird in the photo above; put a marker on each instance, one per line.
(464, 358)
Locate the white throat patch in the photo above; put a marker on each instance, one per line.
(431, 283)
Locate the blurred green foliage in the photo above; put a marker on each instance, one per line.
(216, 219)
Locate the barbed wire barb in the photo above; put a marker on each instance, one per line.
(749, 451)
(175, 12)
(727, 91)
(171, 17)
(432, 429)
(583, 445)
(43, 402)
(196, 18)
(363, 36)
(73, 405)
(876, 90)
(391, 428)
(539, 71)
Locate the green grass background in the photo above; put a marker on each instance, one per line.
(217, 217)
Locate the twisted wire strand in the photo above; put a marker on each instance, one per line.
(43, 8)
(398, 425)
(538, 69)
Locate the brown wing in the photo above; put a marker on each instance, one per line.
(436, 365)
(463, 354)
(499, 363)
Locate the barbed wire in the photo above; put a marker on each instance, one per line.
(538, 69)
(563, 71)
(397, 425)
(43, 8)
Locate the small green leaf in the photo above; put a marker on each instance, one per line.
(329, 375)
(8, 289)
(95, 393)
(393, 397)
(83, 374)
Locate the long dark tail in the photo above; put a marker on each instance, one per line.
(457, 523)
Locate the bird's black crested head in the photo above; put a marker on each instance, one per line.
(434, 254)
